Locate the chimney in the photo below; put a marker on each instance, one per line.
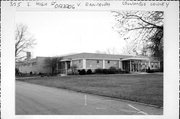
(28, 55)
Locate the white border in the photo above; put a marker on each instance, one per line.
(171, 59)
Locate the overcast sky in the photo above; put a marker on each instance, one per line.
(66, 32)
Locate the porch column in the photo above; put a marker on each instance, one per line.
(149, 64)
(120, 64)
(65, 67)
(159, 65)
(71, 63)
(104, 64)
(84, 63)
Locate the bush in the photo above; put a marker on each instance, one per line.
(82, 72)
(99, 71)
(105, 71)
(31, 73)
(112, 70)
(153, 70)
(41, 74)
(149, 70)
(89, 71)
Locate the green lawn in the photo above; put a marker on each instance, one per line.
(145, 88)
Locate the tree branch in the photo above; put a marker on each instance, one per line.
(138, 17)
(142, 28)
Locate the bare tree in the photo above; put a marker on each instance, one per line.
(111, 51)
(144, 28)
(108, 51)
(23, 41)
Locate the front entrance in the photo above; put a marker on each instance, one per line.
(136, 66)
(126, 65)
(63, 67)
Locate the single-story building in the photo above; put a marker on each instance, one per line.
(91, 61)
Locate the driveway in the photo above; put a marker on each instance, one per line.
(32, 99)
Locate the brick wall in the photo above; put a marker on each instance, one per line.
(78, 63)
(36, 66)
(94, 64)
(111, 63)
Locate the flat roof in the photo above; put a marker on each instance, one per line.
(95, 56)
(136, 58)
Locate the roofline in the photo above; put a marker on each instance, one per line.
(116, 59)
(135, 58)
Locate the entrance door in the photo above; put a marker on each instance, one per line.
(126, 65)
(135, 66)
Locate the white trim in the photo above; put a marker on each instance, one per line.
(101, 59)
(71, 63)
(104, 64)
(84, 63)
(135, 58)
(120, 64)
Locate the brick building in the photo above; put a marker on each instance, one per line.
(91, 61)
(36, 65)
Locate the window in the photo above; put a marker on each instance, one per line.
(79, 61)
(108, 61)
(97, 61)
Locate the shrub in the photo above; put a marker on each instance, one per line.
(89, 71)
(149, 70)
(82, 72)
(153, 70)
(31, 73)
(105, 71)
(41, 74)
(99, 71)
(112, 70)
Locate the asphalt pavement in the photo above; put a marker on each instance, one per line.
(32, 99)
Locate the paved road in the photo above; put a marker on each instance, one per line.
(33, 99)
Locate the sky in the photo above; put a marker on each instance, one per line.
(66, 32)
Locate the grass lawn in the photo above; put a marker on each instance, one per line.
(144, 88)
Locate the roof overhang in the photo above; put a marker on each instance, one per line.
(136, 58)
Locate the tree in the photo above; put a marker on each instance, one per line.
(156, 44)
(108, 51)
(130, 48)
(23, 41)
(52, 62)
(143, 28)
